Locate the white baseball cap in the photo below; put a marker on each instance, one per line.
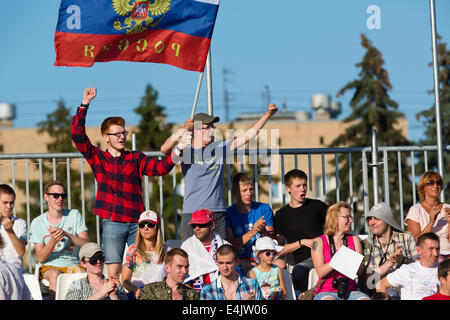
(150, 216)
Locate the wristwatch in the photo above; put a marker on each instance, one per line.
(84, 105)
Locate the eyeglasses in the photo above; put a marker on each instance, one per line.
(205, 225)
(432, 182)
(144, 224)
(269, 253)
(94, 260)
(208, 127)
(118, 134)
(57, 195)
(347, 218)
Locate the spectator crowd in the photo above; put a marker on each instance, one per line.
(241, 252)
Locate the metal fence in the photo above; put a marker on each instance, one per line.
(260, 164)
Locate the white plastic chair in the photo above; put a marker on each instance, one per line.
(43, 283)
(363, 237)
(290, 291)
(313, 277)
(33, 285)
(63, 283)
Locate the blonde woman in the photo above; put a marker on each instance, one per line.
(431, 215)
(338, 223)
(144, 260)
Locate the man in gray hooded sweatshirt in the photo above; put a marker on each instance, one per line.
(386, 248)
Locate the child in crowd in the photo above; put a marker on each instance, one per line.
(269, 276)
(144, 260)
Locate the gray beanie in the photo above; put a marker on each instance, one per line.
(383, 211)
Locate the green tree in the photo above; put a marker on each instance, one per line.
(428, 117)
(151, 133)
(372, 108)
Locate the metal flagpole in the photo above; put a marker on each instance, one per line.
(437, 94)
(209, 83)
(199, 84)
(208, 87)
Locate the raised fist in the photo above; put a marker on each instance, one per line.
(272, 109)
(89, 94)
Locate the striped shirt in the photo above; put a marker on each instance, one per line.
(81, 290)
(119, 179)
(215, 291)
(378, 256)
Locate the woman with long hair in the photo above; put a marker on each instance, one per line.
(336, 286)
(430, 214)
(144, 260)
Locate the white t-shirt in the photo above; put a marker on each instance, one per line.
(415, 281)
(8, 253)
(418, 214)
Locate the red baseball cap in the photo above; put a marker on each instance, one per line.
(202, 216)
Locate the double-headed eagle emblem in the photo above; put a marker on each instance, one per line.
(141, 14)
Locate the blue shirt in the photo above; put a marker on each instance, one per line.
(241, 223)
(215, 291)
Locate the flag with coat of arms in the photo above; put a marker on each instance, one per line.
(175, 32)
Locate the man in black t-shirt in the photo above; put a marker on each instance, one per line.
(297, 224)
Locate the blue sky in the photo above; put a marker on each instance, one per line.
(297, 48)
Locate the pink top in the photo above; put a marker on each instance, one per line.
(327, 286)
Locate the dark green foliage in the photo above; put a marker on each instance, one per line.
(372, 108)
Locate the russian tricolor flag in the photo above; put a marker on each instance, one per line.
(175, 32)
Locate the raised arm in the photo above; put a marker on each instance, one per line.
(153, 167)
(170, 142)
(79, 136)
(255, 128)
(88, 95)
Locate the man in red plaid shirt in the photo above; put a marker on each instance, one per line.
(119, 177)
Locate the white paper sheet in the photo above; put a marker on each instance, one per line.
(347, 262)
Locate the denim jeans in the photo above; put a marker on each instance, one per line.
(115, 235)
(350, 295)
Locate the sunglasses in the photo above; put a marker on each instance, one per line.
(93, 260)
(205, 225)
(432, 182)
(144, 224)
(57, 195)
(269, 253)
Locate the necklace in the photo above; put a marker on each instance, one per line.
(428, 208)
